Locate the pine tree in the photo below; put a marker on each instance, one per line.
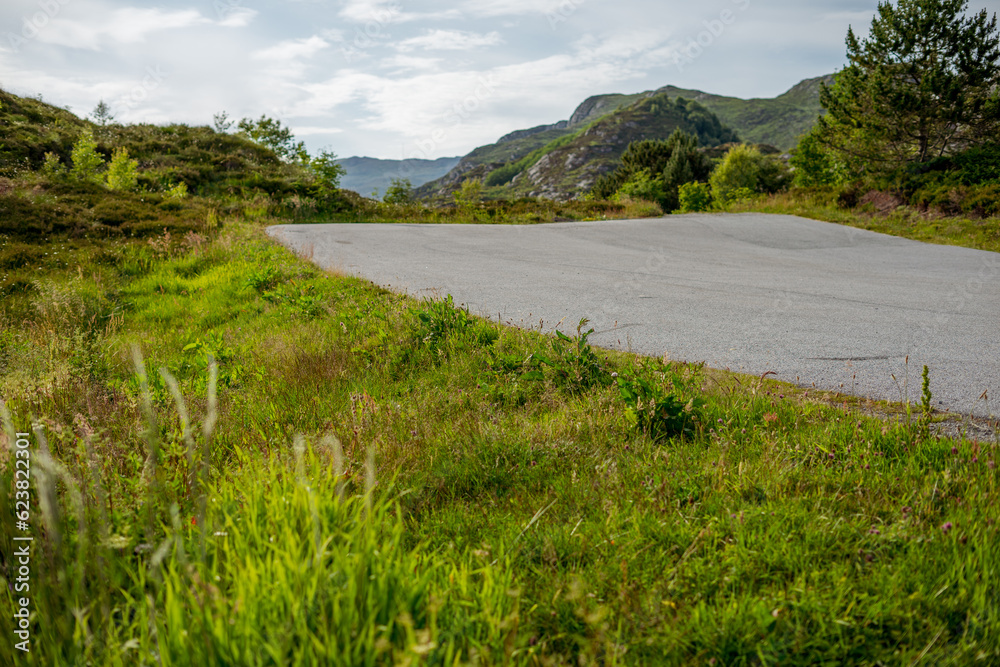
(925, 83)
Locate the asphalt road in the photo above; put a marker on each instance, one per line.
(817, 303)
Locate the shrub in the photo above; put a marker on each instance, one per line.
(641, 185)
(814, 166)
(400, 191)
(694, 197)
(86, 159)
(470, 193)
(744, 171)
(52, 167)
(122, 172)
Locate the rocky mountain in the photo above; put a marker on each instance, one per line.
(365, 174)
(563, 159)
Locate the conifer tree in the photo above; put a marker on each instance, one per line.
(925, 83)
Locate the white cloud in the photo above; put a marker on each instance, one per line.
(371, 10)
(128, 25)
(401, 64)
(519, 7)
(450, 40)
(292, 49)
(237, 17)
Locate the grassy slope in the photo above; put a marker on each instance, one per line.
(442, 504)
(536, 522)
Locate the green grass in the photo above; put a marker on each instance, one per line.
(390, 480)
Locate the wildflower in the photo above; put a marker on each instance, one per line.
(874, 531)
(954, 450)
(946, 527)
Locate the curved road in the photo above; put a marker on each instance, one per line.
(815, 302)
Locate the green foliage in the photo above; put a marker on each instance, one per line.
(640, 185)
(123, 172)
(655, 170)
(740, 170)
(573, 363)
(537, 524)
(656, 412)
(694, 197)
(53, 168)
(270, 133)
(469, 194)
(814, 164)
(400, 191)
(440, 319)
(86, 160)
(745, 172)
(925, 83)
(178, 191)
(327, 173)
(505, 174)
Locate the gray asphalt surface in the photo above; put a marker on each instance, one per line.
(817, 303)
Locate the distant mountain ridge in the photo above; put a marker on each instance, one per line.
(367, 174)
(775, 121)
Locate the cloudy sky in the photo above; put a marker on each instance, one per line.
(401, 78)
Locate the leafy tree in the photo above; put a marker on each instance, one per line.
(327, 171)
(924, 84)
(400, 191)
(739, 171)
(123, 173)
(221, 122)
(270, 133)
(102, 114)
(86, 159)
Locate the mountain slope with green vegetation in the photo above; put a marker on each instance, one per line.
(568, 165)
(774, 122)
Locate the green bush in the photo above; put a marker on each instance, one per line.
(86, 159)
(745, 171)
(123, 172)
(814, 165)
(641, 185)
(400, 191)
(694, 197)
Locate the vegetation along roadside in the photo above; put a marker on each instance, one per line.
(237, 458)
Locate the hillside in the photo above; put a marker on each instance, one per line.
(568, 164)
(774, 121)
(367, 174)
